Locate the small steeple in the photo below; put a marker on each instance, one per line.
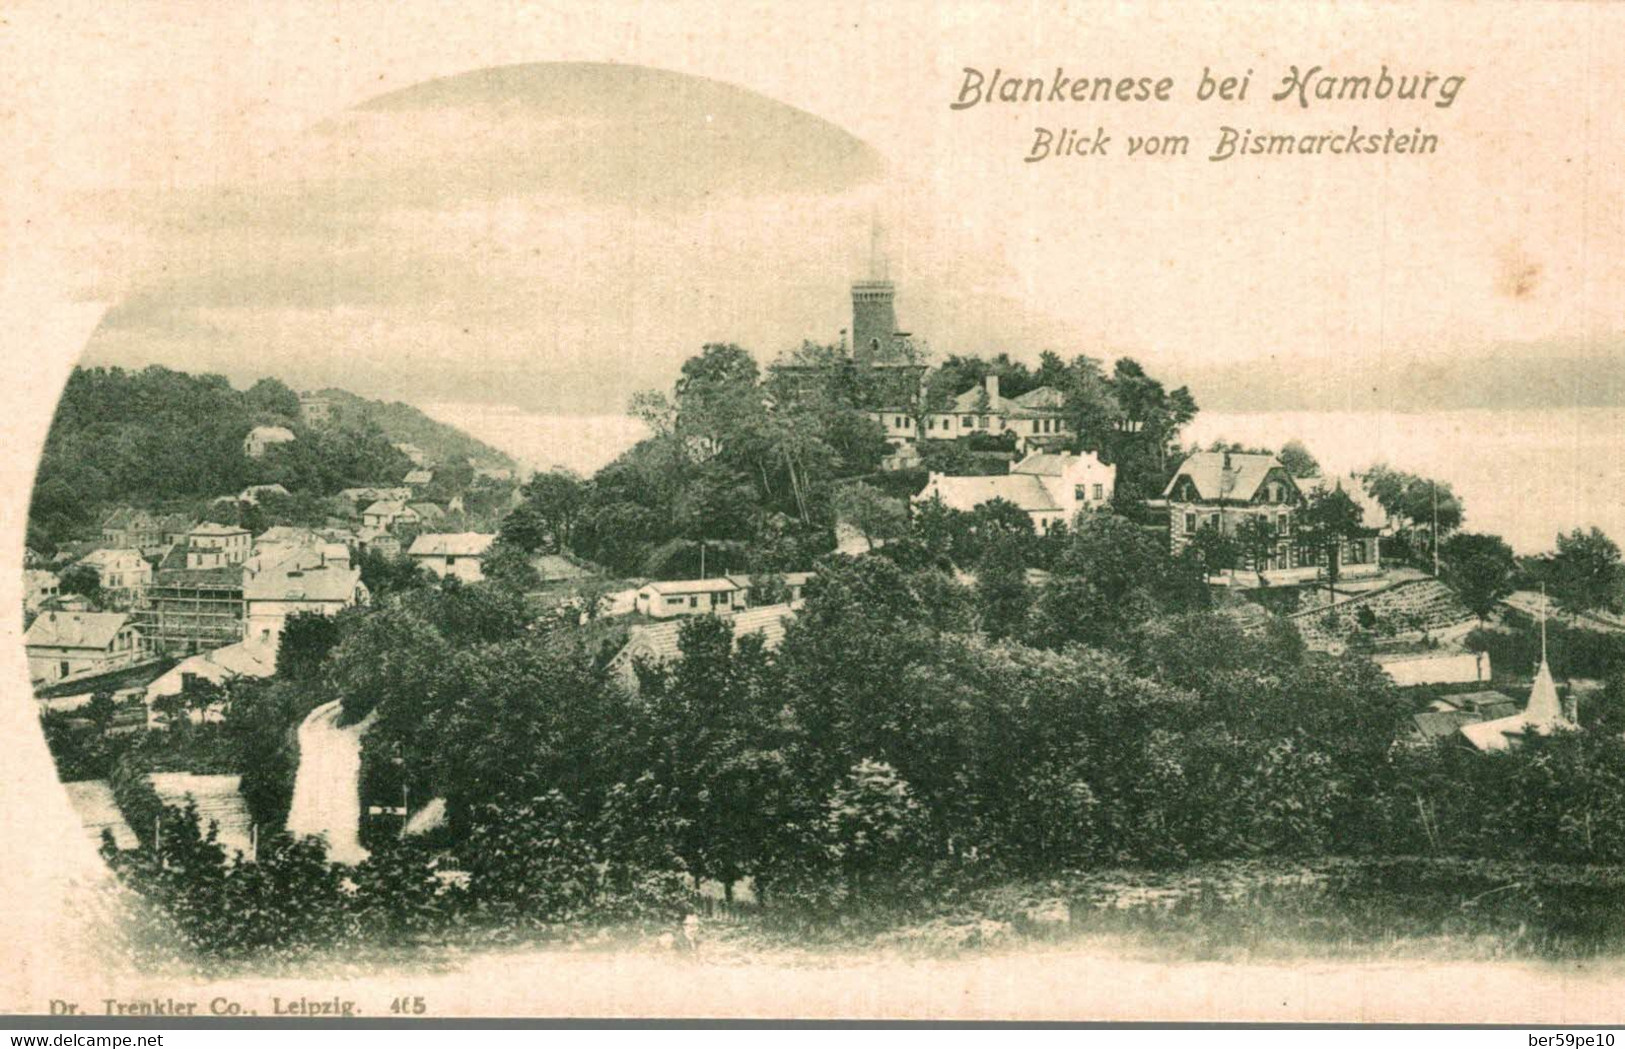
(1544, 710)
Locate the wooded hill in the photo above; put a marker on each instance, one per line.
(158, 438)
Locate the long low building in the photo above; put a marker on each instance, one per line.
(665, 599)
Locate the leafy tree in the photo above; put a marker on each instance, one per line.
(508, 565)
(1479, 568)
(1215, 550)
(1002, 593)
(876, 516)
(307, 638)
(83, 580)
(553, 505)
(872, 824)
(273, 397)
(1585, 573)
(384, 575)
(1329, 518)
(1256, 540)
(1297, 460)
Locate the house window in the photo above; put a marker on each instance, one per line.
(1079, 493)
(694, 602)
(968, 421)
(982, 424)
(1280, 523)
(1100, 492)
(1190, 524)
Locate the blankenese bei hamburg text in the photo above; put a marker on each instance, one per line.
(1300, 88)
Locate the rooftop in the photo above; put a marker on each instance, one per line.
(75, 629)
(451, 544)
(1025, 490)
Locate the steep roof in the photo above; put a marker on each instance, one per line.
(1025, 490)
(1436, 724)
(105, 557)
(75, 630)
(658, 642)
(1049, 464)
(1042, 397)
(1225, 475)
(418, 477)
(392, 507)
(451, 544)
(1542, 714)
(271, 433)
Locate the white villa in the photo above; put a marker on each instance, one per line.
(459, 554)
(1049, 487)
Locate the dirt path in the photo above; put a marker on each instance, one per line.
(326, 791)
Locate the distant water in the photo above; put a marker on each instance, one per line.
(1524, 475)
(582, 443)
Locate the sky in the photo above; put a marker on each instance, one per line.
(551, 209)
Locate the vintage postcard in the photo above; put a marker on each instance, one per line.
(920, 511)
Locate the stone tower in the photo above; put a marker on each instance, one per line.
(874, 310)
(874, 320)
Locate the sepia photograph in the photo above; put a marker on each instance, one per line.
(927, 511)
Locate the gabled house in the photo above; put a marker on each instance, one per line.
(459, 554)
(1050, 487)
(428, 513)
(417, 478)
(1224, 490)
(386, 514)
(261, 438)
(67, 644)
(212, 545)
(245, 659)
(131, 529)
(1037, 418)
(293, 581)
(123, 574)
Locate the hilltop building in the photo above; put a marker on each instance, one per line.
(882, 367)
(261, 438)
(1225, 490)
(315, 410)
(1036, 419)
(1050, 487)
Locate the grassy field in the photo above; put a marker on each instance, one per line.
(1339, 911)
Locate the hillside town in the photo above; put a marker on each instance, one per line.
(276, 654)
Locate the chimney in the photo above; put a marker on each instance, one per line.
(993, 390)
(1227, 462)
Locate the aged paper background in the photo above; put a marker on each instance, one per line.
(99, 100)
